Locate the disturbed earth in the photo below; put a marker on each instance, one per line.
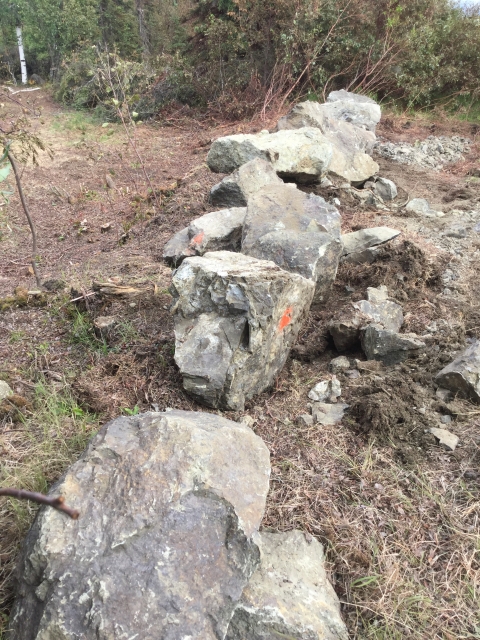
(397, 511)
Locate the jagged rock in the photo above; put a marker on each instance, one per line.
(236, 319)
(326, 391)
(421, 207)
(445, 437)
(360, 110)
(357, 242)
(216, 231)
(462, 376)
(289, 595)
(303, 154)
(163, 547)
(385, 188)
(328, 414)
(339, 364)
(235, 190)
(351, 144)
(345, 327)
(5, 390)
(388, 346)
(300, 232)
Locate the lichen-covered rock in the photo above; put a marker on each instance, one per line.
(216, 231)
(289, 595)
(462, 376)
(235, 190)
(163, 547)
(236, 319)
(389, 346)
(300, 232)
(303, 154)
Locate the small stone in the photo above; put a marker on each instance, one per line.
(446, 419)
(339, 364)
(358, 241)
(5, 390)
(462, 376)
(328, 414)
(447, 438)
(305, 420)
(443, 394)
(421, 207)
(385, 188)
(247, 420)
(353, 374)
(326, 391)
(106, 227)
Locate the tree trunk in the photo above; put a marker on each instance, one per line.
(142, 29)
(21, 53)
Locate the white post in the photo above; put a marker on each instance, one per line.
(21, 53)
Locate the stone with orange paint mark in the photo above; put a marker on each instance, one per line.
(236, 318)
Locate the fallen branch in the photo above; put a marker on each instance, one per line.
(112, 289)
(40, 498)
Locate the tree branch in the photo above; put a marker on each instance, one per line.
(40, 498)
(27, 213)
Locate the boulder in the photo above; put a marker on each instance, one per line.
(5, 390)
(300, 232)
(360, 110)
(346, 325)
(385, 188)
(303, 154)
(351, 144)
(388, 346)
(462, 376)
(234, 190)
(219, 230)
(236, 319)
(357, 242)
(289, 595)
(163, 547)
(421, 207)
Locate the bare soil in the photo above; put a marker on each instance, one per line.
(397, 513)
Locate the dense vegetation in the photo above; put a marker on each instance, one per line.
(242, 55)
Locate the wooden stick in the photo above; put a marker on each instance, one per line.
(40, 498)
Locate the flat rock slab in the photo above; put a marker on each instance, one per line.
(163, 547)
(300, 232)
(236, 319)
(328, 414)
(303, 154)
(357, 241)
(289, 595)
(235, 190)
(462, 376)
(387, 346)
(445, 437)
(216, 231)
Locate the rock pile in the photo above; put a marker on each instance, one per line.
(167, 544)
(432, 153)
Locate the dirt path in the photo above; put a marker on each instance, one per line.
(398, 514)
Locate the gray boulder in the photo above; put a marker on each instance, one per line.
(236, 319)
(234, 190)
(356, 243)
(360, 110)
(351, 144)
(385, 188)
(163, 547)
(388, 346)
(345, 327)
(462, 376)
(300, 232)
(303, 154)
(216, 231)
(289, 595)
(421, 207)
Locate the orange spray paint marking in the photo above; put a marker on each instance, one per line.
(197, 239)
(286, 319)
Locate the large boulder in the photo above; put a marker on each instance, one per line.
(300, 232)
(389, 346)
(236, 319)
(219, 230)
(360, 110)
(462, 376)
(289, 595)
(302, 154)
(163, 547)
(234, 190)
(351, 144)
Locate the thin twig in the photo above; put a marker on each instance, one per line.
(27, 213)
(40, 498)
